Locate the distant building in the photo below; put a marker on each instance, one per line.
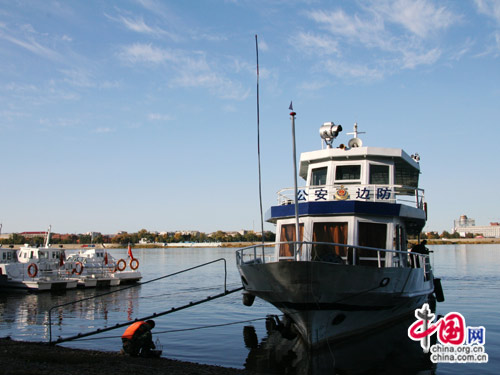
(465, 225)
(189, 233)
(32, 234)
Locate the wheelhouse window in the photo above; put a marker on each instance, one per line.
(318, 176)
(406, 175)
(288, 234)
(348, 173)
(379, 174)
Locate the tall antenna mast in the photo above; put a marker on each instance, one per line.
(258, 142)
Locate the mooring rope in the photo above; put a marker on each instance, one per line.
(180, 330)
(186, 290)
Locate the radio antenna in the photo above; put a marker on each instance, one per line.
(258, 142)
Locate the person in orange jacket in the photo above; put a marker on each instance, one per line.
(137, 339)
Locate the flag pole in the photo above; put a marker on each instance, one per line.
(297, 227)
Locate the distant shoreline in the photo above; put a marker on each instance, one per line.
(147, 246)
(460, 241)
(236, 245)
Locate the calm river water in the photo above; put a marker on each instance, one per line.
(225, 332)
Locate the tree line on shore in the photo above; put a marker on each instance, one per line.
(143, 235)
(124, 238)
(446, 234)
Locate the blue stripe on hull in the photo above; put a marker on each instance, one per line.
(337, 208)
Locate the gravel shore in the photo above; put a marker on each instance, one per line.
(23, 358)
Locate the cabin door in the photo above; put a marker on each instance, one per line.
(371, 235)
(329, 232)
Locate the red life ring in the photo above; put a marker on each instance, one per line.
(32, 270)
(134, 263)
(78, 268)
(121, 265)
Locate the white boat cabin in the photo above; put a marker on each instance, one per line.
(8, 255)
(29, 254)
(362, 196)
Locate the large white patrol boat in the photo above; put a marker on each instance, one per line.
(350, 269)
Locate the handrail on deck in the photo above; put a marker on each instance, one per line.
(260, 256)
(361, 192)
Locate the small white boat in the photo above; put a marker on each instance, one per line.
(126, 269)
(340, 265)
(97, 266)
(34, 268)
(89, 267)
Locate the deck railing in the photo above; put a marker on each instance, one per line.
(351, 255)
(407, 195)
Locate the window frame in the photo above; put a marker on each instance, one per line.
(349, 181)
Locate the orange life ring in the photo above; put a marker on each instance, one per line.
(78, 268)
(32, 270)
(121, 265)
(134, 263)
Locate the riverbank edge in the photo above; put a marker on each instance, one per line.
(239, 245)
(24, 357)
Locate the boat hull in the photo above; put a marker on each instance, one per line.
(15, 277)
(39, 285)
(327, 301)
(128, 277)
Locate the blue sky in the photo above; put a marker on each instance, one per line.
(123, 115)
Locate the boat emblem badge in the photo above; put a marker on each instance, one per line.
(341, 193)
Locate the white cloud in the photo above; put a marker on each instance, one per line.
(313, 85)
(411, 59)
(59, 122)
(187, 68)
(78, 77)
(396, 34)
(263, 46)
(366, 31)
(20, 87)
(159, 117)
(349, 70)
(138, 25)
(420, 17)
(81, 77)
(103, 130)
(489, 8)
(146, 53)
(463, 50)
(317, 44)
(221, 86)
(30, 44)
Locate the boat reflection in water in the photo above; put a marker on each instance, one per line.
(388, 350)
(28, 314)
